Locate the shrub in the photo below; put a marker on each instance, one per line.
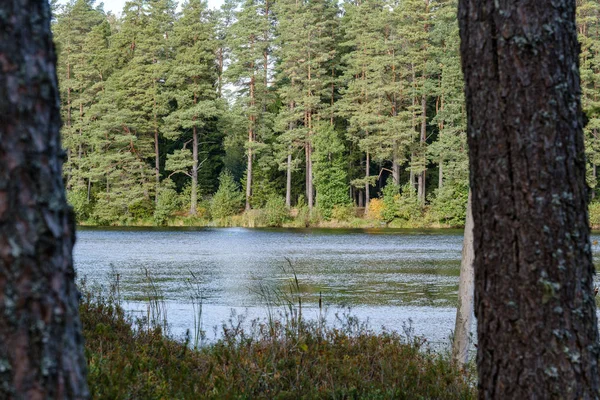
(79, 201)
(228, 199)
(274, 212)
(375, 209)
(278, 359)
(391, 202)
(449, 206)
(303, 215)
(168, 202)
(409, 207)
(342, 212)
(594, 210)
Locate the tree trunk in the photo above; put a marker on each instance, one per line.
(536, 312)
(250, 141)
(411, 177)
(466, 283)
(421, 177)
(194, 195)
(309, 189)
(41, 347)
(441, 174)
(194, 204)
(367, 186)
(395, 165)
(288, 186)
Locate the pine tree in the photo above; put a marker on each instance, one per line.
(304, 74)
(415, 19)
(74, 22)
(588, 14)
(192, 81)
(250, 42)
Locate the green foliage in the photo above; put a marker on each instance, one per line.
(409, 206)
(228, 199)
(594, 210)
(331, 180)
(274, 213)
(391, 202)
(400, 203)
(352, 91)
(303, 212)
(449, 206)
(168, 202)
(343, 212)
(80, 203)
(128, 361)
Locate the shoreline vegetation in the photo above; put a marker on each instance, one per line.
(282, 357)
(255, 219)
(391, 211)
(395, 208)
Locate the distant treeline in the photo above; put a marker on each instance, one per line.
(317, 104)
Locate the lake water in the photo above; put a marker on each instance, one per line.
(392, 278)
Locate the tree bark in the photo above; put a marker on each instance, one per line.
(395, 165)
(536, 313)
(41, 346)
(288, 186)
(464, 311)
(423, 138)
(252, 123)
(441, 174)
(194, 200)
(367, 185)
(194, 196)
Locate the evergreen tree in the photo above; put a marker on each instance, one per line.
(331, 180)
(250, 42)
(192, 81)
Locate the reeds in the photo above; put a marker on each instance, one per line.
(284, 357)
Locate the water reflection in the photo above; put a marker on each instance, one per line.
(388, 276)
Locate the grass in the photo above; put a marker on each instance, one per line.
(252, 219)
(285, 358)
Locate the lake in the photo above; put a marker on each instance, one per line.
(392, 278)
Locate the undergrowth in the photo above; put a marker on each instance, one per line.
(275, 359)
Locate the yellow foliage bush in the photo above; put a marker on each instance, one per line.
(375, 209)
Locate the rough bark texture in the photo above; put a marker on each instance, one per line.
(423, 141)
(41, 347)
(288, 182)
(466, 287)
(536, 314)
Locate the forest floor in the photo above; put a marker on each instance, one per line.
(286, 358)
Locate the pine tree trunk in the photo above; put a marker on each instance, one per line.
(156, 153)
(250, 141)
(395, 165)
(534, 302)
(41, 346)
(310, 190)
(194, 203)
(421, 176)
(288, 186)
(411, 177)
(367, 186)
(156, 166)
(464, 311)
(441, 174)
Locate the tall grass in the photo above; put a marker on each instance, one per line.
(194, 285)
(282, 358)
(156, 315)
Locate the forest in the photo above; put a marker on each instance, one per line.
(330, 110)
